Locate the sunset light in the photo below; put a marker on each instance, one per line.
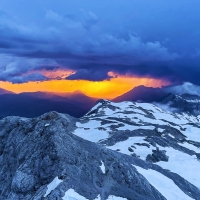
(103, 89)
(99, 100)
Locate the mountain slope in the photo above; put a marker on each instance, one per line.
(149, 94)
(142, 93)
(183, 103)
(86, 101)
(143, 130)
(77, 98)
(2, 91)
(29, 106)
(59, 164)
(116, 151)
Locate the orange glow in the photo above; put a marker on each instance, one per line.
(104, 89)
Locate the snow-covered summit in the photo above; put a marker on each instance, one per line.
(169, 140)
(185, 88)
(127, 150)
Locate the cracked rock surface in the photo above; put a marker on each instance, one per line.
(34, 153)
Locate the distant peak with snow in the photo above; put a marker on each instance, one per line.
(185, 88)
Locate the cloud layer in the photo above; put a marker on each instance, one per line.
(93, 42)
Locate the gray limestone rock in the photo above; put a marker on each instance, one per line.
(157, 155)
(35, 151)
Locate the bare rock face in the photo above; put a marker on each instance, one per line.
(35, 151)
(157, 155)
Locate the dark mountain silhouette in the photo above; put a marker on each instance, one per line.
(2, 91)
(76, 98)
(27, 106)
(142, 93)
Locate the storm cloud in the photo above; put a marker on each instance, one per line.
(145, 39)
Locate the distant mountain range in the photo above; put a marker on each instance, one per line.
(181, 98)
(34, 104)
(2, 91)
(77, 98)
(150, 94)
(119, 151)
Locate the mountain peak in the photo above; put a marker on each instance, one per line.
(3, 91)
(142, 93)
(78, 92)
(61, 165)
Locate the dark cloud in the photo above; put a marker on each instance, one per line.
(89, 74)
(28, 77)
(94, 43)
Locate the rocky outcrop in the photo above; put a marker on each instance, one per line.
(157, 155)
(35, 151)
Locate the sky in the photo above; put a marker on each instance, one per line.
(103, 48)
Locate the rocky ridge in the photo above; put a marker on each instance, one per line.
(117, 150)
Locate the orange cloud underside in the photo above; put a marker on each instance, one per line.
(62, 73)
(104, 89)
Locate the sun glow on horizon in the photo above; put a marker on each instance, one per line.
(104, 89)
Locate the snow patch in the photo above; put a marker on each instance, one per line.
(115, 198)
(163, 184)
(171, 135)
(160, 130)
(182, 164)
(89, 131)
(56, 181)
(103, 169)
(190, 146)
(72, 195)
(141, 151)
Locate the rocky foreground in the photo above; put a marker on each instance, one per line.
(117, 151)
